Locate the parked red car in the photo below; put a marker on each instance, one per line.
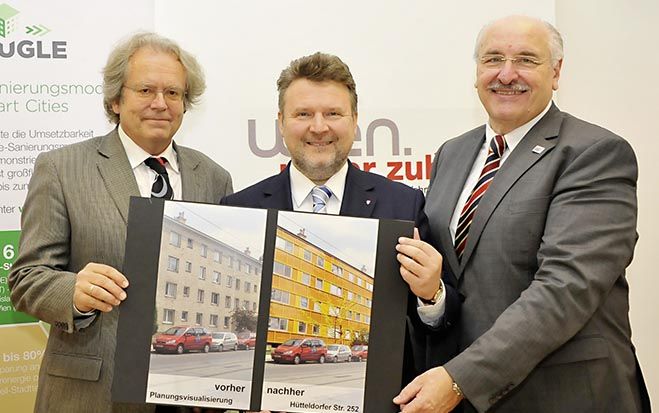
(359, 352)
(180, 339)
(299, 350)
(247, 343)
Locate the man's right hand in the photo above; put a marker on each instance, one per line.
(99, 287)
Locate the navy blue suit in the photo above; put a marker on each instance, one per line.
(368, 195)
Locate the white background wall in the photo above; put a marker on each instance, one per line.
(610, 78)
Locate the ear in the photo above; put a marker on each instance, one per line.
(557, 74)
(115, 106)
(280, 123)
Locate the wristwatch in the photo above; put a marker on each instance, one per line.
(435, 297)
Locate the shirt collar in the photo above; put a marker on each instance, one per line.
(301, 186)
(136, 155)
(515, 136)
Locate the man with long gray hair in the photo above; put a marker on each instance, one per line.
(74, 219)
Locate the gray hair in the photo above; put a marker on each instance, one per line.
(318, 67)
(116, 68)
(555, 40)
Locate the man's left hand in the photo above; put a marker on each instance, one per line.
(420, 265)
(431, 392)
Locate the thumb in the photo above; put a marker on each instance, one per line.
(416, 233)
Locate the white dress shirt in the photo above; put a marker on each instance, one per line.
(144, 175)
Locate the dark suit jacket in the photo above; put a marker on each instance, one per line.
(544, 326)
(388, 200)
(76, 212)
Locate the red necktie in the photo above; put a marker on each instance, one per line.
(497, 146)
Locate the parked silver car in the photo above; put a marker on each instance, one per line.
(224, 340)
(338, 352)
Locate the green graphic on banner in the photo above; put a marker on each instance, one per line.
(8, 252)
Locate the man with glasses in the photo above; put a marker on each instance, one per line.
(74, 219)
(536, 214)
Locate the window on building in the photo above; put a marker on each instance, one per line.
(280, 296)
(350, 295)
(248, 268)
(360, 282)
(172, 264)
(248, 286)
(319, 283)
(256, 288)
(213, 320)
(217, 277)
(186, 291)
(170, 290)
(334, 311)
(236, 303)
(175, 239)
(254, 306)
(227, 321)
(229, 281)
(184, 316)
(351, 277)
(367, 319)
(315, 330)
(204, 250)
(215, 298)
(349, 315)
(369, 287)
(336, 290)
(317, 306)
(277, 323)
(199, 319)
(238, 284)
(202, 273)
(200, 296)
(190, 243)
(188, 266)
(168, 316)
(301, 327)
(230, 262)
(227, 301)
(368, 303)
(306, 279)
(307, 255)
(336, 270)
(282, 269)
(283, 244)
(246, 304)
(217, 256)
(240, 265)
(320, 261)
(358, 317)
(304, 302)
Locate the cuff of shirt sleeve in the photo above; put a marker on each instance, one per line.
(431, 314)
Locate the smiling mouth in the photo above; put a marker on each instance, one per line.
(320, 144)
(508, 92)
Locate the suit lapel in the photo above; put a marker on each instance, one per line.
(277, 194)
(188, 164)
(359, 196)
(543, 134)
(116, 173)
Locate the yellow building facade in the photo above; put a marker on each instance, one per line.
(316, 294)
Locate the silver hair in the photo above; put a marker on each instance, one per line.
(116, 68)
(555, 40)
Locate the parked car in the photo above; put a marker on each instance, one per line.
(338, 352)
(299, 350)
(359, 352)
(224, 340)
(248, 342)
(180, 339)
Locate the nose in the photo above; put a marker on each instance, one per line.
(158, 101)
(508, 73)
(318, 124)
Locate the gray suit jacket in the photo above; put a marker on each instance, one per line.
(75, 213)
(544, 325)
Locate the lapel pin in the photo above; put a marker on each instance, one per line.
(368, 202)
(538, 149)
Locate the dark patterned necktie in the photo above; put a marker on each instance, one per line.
(161, 187)
(497, 146)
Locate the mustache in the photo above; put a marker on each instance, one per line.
(497, 86)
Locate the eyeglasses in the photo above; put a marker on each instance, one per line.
(519, 62)
(170, 94)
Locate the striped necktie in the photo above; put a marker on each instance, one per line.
(497, 146)
(161, 187)
(320, 195)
